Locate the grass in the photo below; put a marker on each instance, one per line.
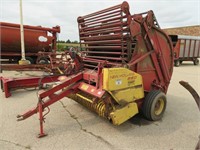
(64, 46)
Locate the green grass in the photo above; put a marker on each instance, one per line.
(64, 46)
(69, 44)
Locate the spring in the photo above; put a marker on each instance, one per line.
(86, 100)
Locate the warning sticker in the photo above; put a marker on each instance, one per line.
(118, 82)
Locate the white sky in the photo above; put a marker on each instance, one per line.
(49, 13)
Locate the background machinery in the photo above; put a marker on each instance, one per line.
(40, 47)
(125, 68)
(186, 48)
(37, 39)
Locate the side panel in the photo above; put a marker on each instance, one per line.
(182, 47)
(35, 40)
(120, 78)
(197, 49)
(123, 85)
(189, 48)
(157, 67)
(177, 49)
(197, 45)
(192, 48)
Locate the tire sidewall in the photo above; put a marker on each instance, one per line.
(156, 98)
(196, 61)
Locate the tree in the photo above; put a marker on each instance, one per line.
(75, 42)
(68, 41)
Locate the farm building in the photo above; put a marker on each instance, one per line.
(187, 30)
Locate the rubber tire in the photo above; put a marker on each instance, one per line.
(177, 63)
(196, 61)
(149, 105)
(30, 59)
(43, 61)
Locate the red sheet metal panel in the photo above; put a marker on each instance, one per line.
(91, 90)
(36, 38)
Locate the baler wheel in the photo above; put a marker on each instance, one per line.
(196, 61)
(154, 105)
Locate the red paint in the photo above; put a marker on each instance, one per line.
(28, 82)
(11, 42)
(149, 53)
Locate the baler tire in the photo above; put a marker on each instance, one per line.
(196, 61)
(177, 63)
(150, 103)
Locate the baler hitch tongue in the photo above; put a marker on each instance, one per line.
(27, 114)
(53, 95)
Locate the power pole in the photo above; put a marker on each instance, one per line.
(23, 60)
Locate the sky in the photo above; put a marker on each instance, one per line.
(49, 13)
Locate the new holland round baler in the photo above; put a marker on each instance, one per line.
(125, 67)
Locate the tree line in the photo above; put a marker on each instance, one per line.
(68, 41)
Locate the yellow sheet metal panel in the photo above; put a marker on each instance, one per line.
(120, 78)
(123, 84)
(128, 95)
(105, 78)
(121, 115)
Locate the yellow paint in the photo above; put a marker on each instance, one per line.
(86, 99)
(24, 62)
(122, 114)
(84, 87)
(59, 70)
(123, 84)
(159, 106)
(128, 95)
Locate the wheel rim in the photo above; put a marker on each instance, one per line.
(42, 61)
(159, 106)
